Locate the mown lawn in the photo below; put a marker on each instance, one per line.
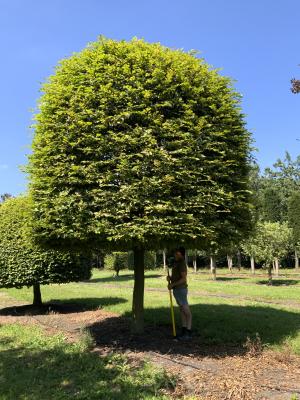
(38, 367)
(218, 317)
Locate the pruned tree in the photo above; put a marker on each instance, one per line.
(24, 263)
(138, 147)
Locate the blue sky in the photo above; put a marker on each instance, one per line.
(256, 42)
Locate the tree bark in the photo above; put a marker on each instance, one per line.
(229, 262)
(252, 261)
(102, 261)
(186, 258)
(37, 296)
(138, 291)
(213, 267)
(195, 261)
(165, 259)
(269, 268)
(239, 260)
(296, 260)
(276, 262)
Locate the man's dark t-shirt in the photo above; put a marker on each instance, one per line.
(179, 267)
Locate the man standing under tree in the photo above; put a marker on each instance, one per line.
(178, 282)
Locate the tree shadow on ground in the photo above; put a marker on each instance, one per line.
(220, 330)
(67, 306)
(120, 278)
(36, 373)
(280, 282)
(229, 278)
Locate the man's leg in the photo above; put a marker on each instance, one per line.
(183, 317)
(187, 316)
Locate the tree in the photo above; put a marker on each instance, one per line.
(120, 261)
(294, 223)
(194, 260)
(251, 249)
(137, 147)
(5, 196)
(295, 85)
(273, 203)
(278, 185)
(270, 242)
(24, 263)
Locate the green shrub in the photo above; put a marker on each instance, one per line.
(24, 263)
(119, 260)
(150, 260)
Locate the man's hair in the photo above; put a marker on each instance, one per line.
(181, 250)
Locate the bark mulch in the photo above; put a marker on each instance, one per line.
(205, 372)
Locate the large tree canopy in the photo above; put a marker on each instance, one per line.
(139, 146)
(24, 263)
(135, 136)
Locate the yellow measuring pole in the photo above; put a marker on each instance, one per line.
(172, 309)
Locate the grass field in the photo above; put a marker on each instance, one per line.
(226, 311)
(38, 367)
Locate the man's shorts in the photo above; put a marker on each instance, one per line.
(180, 295)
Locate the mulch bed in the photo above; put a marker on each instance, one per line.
(206, 372)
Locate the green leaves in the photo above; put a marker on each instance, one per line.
(24, 263)
(294, 216)
(269, 241)
(135, 142)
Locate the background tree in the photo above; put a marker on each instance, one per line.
(295, 85)
(250, 247)
(269, 244)
(137, 147)
(273, 207)
(23, 263)
(120, 262)
(5, 196)
(294, 223)
(278, 184)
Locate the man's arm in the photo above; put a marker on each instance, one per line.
(180, 281)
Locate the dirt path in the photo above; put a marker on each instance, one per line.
(208, 373)
(202, 293)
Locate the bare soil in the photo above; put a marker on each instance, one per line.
(205, 372)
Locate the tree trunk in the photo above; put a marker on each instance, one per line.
(276, 262)
(186, 258)
(229, 262)
(269, 268)
(213, 267)
(296, 260)
(165, 259)
(274, 268)
(195, 261)
(102, 261)
(239, 260)
(138, 291)
(252, 261)
(37, 296)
